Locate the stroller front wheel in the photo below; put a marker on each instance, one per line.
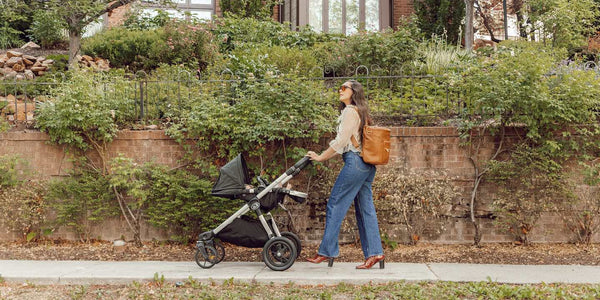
(207, 258)
(279, 253)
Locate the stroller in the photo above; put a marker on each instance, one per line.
(280, 249)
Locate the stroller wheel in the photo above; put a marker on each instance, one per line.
(279, 253)
(294, 238)
(220, 251)
(207, 258)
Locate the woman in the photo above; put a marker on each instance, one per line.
(352, 184)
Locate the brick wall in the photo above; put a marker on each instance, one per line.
(401, 9)
(423, 148)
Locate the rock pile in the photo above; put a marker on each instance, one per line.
(97, 63)
(16, 65)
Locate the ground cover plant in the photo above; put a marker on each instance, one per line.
(229, 289)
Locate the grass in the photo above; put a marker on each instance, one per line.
(230, 289)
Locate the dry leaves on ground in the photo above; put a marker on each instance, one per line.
(423, 253)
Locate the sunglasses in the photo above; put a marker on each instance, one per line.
(343, 88)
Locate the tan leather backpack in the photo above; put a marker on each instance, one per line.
(375, 144)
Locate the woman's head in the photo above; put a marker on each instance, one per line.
(352, 92)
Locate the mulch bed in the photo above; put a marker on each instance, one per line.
(506, 253)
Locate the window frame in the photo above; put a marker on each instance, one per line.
(384, 14)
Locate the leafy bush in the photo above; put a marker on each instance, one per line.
(22, 198)
(124, 48)
(259, 9)
(178, 42)
(25, 209)
(47, 29)
(83, 115)
(175, 200)
(264, 60)
(531, 183)
(138, 20)
(247, 115)
(13, 170)
(418, 201)
(389, 52)
(234, 32)
(581, 215)
(435, 17)
(188, 44)
(81, 200)
(181, 202)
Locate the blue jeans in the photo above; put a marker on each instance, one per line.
(352, 184)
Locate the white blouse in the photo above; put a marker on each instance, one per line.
(348, 125)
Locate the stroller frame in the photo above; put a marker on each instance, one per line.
(280, 251)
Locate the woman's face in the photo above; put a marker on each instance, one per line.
(346, 92)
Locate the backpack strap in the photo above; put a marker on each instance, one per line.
(353, 139)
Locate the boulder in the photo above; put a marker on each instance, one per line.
(30, 45)
(13, 54)
(29, 74)
(27, 62)
(30, 57)
(20, 67)
(13, 61)
(11, 74)
(39, 68)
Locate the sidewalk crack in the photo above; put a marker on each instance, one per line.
(432, 272)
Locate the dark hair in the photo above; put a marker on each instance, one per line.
(358, 99)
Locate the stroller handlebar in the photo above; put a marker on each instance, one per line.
(301, 164)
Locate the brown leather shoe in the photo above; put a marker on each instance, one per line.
(373, 260)
(317, 259)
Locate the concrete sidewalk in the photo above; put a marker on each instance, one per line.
(102, 272)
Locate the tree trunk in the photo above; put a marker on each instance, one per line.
(469, 34)
(487, 23)
(74, 44)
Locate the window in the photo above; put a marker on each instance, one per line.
(186, 9)
(342, 16)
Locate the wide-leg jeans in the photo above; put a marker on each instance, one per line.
(352, 184)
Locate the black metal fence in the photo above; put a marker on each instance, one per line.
(395, 99)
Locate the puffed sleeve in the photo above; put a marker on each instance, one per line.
(350, 121)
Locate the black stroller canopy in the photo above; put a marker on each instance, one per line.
(233, 178)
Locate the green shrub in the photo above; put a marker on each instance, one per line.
(137, 20)
(383, 53)
(259, 9)
(181, 202)
(178, 42)
(86, 112)
(187, 44)
(47, 29)
(531, 183)
(245, 116)
(13, 170)
(234, 32)
(124, 48)
(81, 200)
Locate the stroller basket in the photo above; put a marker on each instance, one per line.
(280, 249)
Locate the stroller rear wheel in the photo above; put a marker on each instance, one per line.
(294, 238)
(207, 258)
(279, 253)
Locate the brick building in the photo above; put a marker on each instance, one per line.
(341, 16)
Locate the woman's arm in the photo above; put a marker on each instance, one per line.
(327, 154)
